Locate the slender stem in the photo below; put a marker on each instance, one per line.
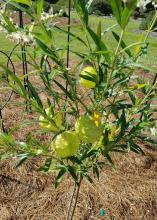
(24, 58)
(68, 49)
(73, 201)
(115, 57)
(151, 26)
(69, 28)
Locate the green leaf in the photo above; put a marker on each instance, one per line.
(22, 160)
(72, 35)
(51, 53)
(99, 44)
(89, 78)
(22, 8)
(129, 8)
(68, 94)
(109, 159)
(123, 124)
(136, 148)
(10, 27)
(116, 6)
(72, 172)
(123, 45)
(125, 17)
(46, 166)
(22, 92)
(34, 94)
(60, 176)
(96, 170)
(25, 2)
(80, 6)
(88, 178)
(39, 7)
(132, 97)
(99, 29)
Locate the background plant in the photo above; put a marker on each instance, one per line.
(110, 116)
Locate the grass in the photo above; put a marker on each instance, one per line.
(131, 36)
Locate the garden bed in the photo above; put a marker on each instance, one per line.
(128, 191)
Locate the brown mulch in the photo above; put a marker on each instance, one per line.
(128, 191)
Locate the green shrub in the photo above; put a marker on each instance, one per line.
(146, 21)
(61, 4)
(100, 7)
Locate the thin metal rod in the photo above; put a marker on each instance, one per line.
(69, 28)
(11, 93)
(24, 58)
(68, 49)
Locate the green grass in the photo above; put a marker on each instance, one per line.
(131, 36)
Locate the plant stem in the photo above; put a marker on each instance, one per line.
(115, 57)
(73, 201)
(151, 26)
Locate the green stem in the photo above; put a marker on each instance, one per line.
(115, 58)
(73, 201)
(151, 26)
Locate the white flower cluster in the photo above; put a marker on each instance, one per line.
(153, 131)
(21, 37)
(17, 36)
(142, 4)
(48, 15)
(47, 18)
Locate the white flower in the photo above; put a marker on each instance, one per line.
(153, 131)
(46, 16)
(21, 37)
(142, 4)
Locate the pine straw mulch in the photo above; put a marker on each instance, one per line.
(127, 192)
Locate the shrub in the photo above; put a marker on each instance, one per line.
(61, 4)
(146, 21)
(100, 7)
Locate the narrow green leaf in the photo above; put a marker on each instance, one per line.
(72, 172)
(99, 44)
(123, 45)
(133, 97)
(21, 161)
(34, 94)
(17, 82)
(60, 176)
(46, 166)
(72, 35)
(116, 6)
(25, 2)
(39, 7)
(64, 90)
(80, 6)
